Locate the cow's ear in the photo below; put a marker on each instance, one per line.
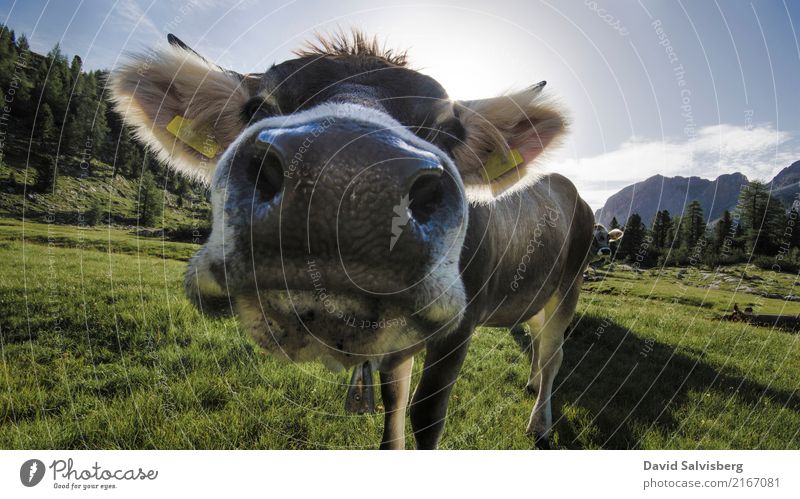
(180, 104)
(615, 235)
(503, 136)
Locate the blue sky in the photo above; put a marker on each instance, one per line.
(635, 112)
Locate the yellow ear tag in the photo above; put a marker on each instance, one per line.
(497, 164)
(201, 140)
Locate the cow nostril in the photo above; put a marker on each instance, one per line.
(425, 196)
(266, 168)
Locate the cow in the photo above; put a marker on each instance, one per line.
(601, 241)
(360, 215)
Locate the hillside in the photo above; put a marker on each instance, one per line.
(79, 189)
(67, 158)
(674, 193)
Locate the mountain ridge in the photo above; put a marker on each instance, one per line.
(674, 193)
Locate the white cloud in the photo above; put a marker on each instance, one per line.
(758, 152)
(129, 14)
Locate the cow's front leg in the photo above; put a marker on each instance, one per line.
(443, 362)
(395, 387)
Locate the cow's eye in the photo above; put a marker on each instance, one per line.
(257, 109)
(449, 134)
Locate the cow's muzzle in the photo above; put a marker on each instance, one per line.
(373, 208)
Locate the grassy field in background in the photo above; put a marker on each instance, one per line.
(100, 349)
(75, 194)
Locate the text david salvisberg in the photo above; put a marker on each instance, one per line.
(693, 466)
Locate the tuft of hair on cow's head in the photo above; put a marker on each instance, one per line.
(495, 142)
(352, 44)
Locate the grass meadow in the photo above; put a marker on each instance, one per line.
(100, 350)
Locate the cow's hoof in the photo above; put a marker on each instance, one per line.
(519, 329)
(393, 445)
(360, 397)
(541, 438)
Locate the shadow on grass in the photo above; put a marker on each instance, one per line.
(621, 381)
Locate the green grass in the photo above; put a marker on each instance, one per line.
(100, 349)
(104, 239)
